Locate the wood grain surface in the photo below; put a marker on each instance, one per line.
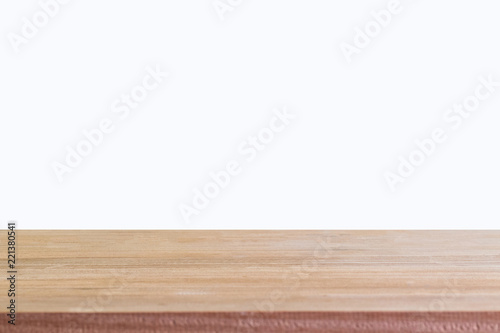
(256, 271)
(237, 322)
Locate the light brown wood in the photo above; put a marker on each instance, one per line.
(214, 271)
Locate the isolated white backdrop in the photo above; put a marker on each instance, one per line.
(324, 171)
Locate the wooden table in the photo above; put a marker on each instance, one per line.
(256, 281)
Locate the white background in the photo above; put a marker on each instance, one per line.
(325, 171)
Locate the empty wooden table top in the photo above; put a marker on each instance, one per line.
(256, 272)
(148, 271)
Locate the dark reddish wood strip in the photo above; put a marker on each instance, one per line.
(335, 322)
